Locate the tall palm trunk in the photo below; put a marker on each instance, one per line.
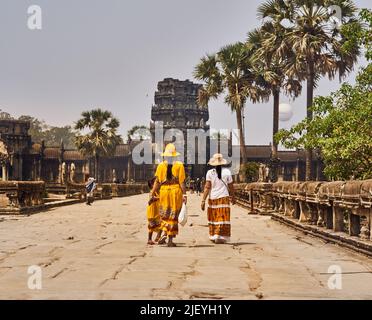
(309, 115)
(96, 173)
(274, 148)
(239, 121)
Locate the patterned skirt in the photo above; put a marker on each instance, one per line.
(219, 219)
(153, 217)
(170, 204)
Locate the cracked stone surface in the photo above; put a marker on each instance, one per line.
(100, 252)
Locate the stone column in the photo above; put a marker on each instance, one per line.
(4, 169)
(338, 219)
(39, 170)
(328, 218)
(129, 174)
(20, 168)
(354, 224)
(303, 212)
(59, 179)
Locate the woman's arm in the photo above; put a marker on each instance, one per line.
(207, 189)
(232, 192)
(155, 189)
(183, 187)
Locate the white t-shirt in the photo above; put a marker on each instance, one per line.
(219, 188)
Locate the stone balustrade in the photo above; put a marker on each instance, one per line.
(76, 191)
(28, 197)
(105, 190)
(123, 190)
(340, 206)
(18, 196)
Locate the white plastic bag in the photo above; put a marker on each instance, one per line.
(182, 218)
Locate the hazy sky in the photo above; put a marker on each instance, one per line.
(112, 53)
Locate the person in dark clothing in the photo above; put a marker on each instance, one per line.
(90, 187)
(198, 186)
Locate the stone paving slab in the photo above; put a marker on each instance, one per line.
(100, 252)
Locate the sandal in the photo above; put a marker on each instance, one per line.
(162, 240)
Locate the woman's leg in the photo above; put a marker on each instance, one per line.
(149, 241)
(158, 236)
(170, 242)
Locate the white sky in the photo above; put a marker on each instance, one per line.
(112, 53)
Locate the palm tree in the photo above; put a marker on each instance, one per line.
(229, 72)
(98, 135)
(316, 44)
(270, 59)
(138, 132)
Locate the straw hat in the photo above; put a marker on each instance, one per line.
(170, 151)
(217, 160)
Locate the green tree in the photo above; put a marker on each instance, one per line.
(251, 171)
(359, 33)
(52, 136)
(230, 73)
(97, 135)
(316, 42)
(138, 132)
(57, 135)
(270, 58)
(37, 128)
(341, 127)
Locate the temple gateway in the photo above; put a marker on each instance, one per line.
(175, 106)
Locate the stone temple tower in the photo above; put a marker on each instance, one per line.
(177, 107)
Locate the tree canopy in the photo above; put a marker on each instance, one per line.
(97, 133)
(341, 127)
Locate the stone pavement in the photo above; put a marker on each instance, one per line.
(100, 252)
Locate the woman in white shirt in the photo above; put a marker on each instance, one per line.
(220, 189)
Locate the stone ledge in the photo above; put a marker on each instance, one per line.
(50, 205)
(36, 209)
(339, 238)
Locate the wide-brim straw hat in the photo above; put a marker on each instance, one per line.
(170, 151)
(217, 160)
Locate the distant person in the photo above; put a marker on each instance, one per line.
(170, 184)
(153, 215)
(90, 187)
(219, 188)
(198, 186)
(192, 187)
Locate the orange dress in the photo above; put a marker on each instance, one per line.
(170, 196)
(153, 217)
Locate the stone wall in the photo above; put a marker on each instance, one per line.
(105, 190)
(338, 206)
(18, 197)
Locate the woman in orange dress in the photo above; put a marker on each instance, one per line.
(153, 216)
(170, 185)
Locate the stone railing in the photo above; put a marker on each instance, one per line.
(27, 197)
(19, 196)
(76, 191)
(340, 206)
(105, 190)
(123, 190)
